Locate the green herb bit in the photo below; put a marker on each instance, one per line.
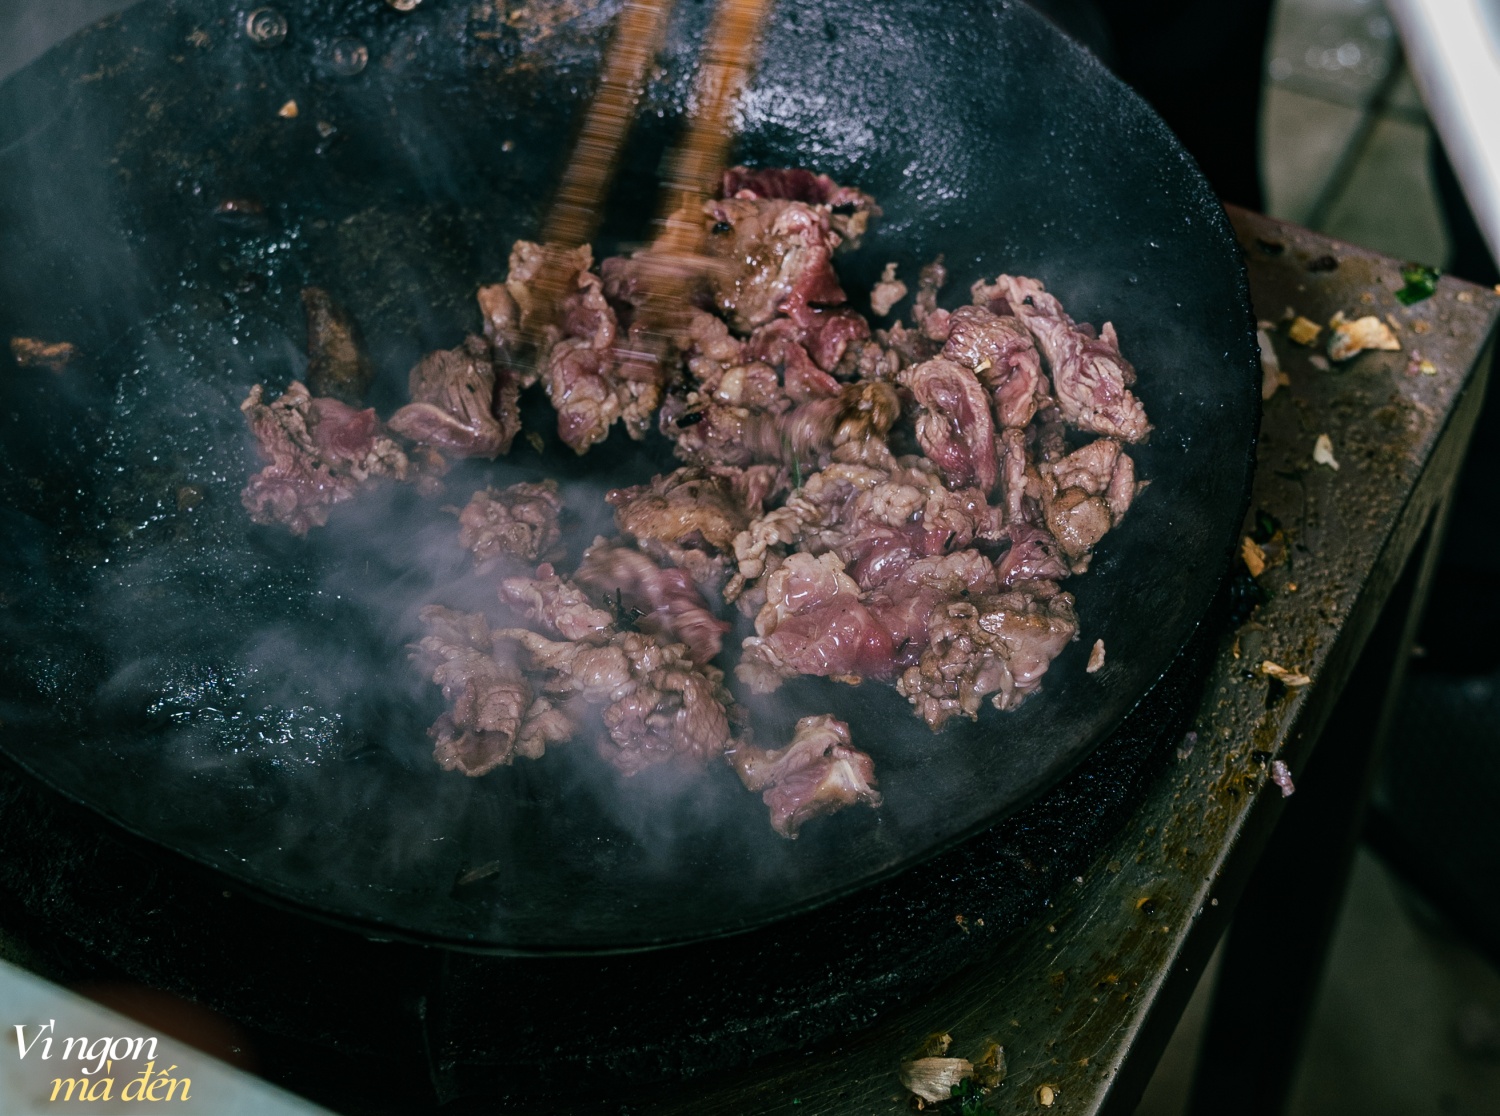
(1421, 283)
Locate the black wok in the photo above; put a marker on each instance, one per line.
(242, 696)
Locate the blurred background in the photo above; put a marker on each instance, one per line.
(1306, 109)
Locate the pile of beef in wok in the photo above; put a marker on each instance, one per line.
(897, 505)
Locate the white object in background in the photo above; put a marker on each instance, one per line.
(26, 1083)
(1453, 52)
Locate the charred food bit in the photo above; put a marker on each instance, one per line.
(819, 772)
(31, 353)
(336, 360)
(520, 521)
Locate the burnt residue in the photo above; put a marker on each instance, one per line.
(337, 363)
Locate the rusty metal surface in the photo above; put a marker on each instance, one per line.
(1069, 996)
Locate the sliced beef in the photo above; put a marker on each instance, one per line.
(998, 645)
(458, 406)
(1085, 494)
(690, 517)
(557, 605)
(778, 258)
(493, 713)
(905, 604)
(850, 426)
(813, 622)
(319, 452)
(655, 703)
(336, 361)
(1034, 555)
(519, 521)
(953, 422)
(1089, 375)
(819, 772)
(1000, 352)
(661, 602)
(850, 210)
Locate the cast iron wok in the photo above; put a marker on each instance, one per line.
(242, 696)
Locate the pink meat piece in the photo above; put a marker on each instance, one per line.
(319, 452)
(1089, 375)
(819, 772)
(493, 713)
(558, 605)
(460, 404)
(1000, 352)
(813, 622)
(519, 521)
(777, 344)
(954, 424)
(906, 603)
(998, 645)
(664, 602)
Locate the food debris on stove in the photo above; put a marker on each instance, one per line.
(1290, 678)
(1323, 452)
(933, 1080)
(894, 507)
(1419, 283)
(1096, 658)
(31, 353)
(1350, 338)
(1304, 331)
(1281, 775)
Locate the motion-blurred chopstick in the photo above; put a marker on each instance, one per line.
(696, 164)
(693, 169)
(574, 217)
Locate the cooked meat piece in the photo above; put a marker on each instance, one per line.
(490, 700)
(690, 517)
(580, 389)
(1089, 375)
(526, 261)
(1001, 353)
(657, 705)
(558, 605)
(1099, 469)
(1000, 645)
(675, 710)
(662, 602)
(319, 452)
(954, 424)
(819, 772)
(907, 346)
(1033, 556)
(887, 292)
(776, 345)
(813, 622)
(336, 360)
(456, 405)
(906, 603)
(851, 209)
(877, 520)
(520, 520)
(849, 426)
(1076, 519)
(780, 257)
(932, 322)
(502, 324)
